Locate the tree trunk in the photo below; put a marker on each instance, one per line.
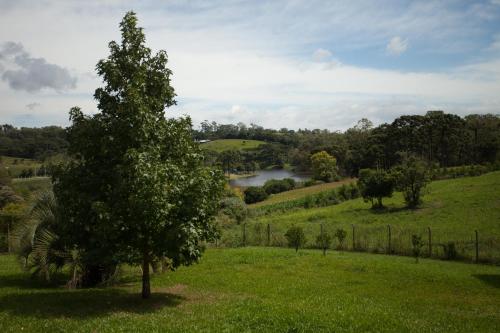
(146, 287)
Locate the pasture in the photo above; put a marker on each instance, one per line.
(266, 290)
(452, 208)
(231, 144)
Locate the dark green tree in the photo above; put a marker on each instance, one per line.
(375, 184)
(296, 237)
(411, 177)
(136, 187)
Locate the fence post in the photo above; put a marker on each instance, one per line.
(389, 250)
(430, 242)
(244, 234)
(353, 237)
(477, 247)
(268, 234)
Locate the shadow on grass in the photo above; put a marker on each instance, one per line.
(491, 279)
(83, 303)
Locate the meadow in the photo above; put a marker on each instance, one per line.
(231, 144)
(300, 193)
(452, 208)
(266, 290)
(15, 166)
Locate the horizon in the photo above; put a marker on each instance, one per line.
(280, 64)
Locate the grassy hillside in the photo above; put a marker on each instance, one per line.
(300, 193)
(232, 144)
(267, 290)
(29, 187)
(453, 209)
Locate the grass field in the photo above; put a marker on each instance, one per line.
(16, 165)
(267, 290)
(232, 144)
(300, 193)
(29, 187)
(453, 209)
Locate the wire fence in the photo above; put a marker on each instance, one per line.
(475, 246)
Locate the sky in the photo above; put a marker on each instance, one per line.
(295, 64)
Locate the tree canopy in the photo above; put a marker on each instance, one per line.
(136, 188)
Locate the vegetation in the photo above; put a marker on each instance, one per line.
(295, 237)
(267, 290)
(135, 190)
(232, 144)
(411, 177)
(324, 166)
(301, 192)
(375, 184)
(255, 194)
(453, 209)
(274, 186)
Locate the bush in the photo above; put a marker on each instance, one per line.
(255, 194)
(274, 186)
(341, 235)
(323, 241)
(235, 208)
(296, 237)
(450, 251)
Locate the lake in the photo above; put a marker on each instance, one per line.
(264, 175)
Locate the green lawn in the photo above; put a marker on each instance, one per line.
(267, 290)
(300, 193)
(232, 144)
(453, 209)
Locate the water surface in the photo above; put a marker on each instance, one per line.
(264, 175)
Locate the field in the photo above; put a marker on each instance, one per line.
(15, 165)
(232, 144)
(300, 193)
(29, 187)
(267, 290)
(452, 208)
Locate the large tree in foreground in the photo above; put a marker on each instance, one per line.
(136, 188)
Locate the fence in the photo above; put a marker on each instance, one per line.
(476, 246)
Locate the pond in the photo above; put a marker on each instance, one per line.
(264, 175)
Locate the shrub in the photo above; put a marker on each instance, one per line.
(255, 194)
(296, 237)
(235, 208)
(323, 241)
(450, 251)
(416, 242)
(274, 186)
(341, 235)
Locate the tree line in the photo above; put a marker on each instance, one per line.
(438, 138)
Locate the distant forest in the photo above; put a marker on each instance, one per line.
(441, 139)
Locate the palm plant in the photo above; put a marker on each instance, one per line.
(38, 244)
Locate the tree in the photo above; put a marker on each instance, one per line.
(416, 242)
(255, 194)
(324, 166)
(375, 184)
(296, 237)
(341, 235)
(411, 176)
(323, 240)
(136, 187)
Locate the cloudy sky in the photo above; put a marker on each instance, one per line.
(295, 64)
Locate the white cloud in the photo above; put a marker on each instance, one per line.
(321, 55)
(397, 45)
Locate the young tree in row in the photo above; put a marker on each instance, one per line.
(296, 237)
(136, 187)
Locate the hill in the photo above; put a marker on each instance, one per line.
(300, 193)
(453, 209)
(232, 144)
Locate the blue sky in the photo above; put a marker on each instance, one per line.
(296, 64)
